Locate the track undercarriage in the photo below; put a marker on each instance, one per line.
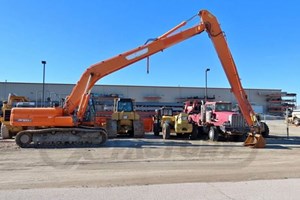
(77, 136)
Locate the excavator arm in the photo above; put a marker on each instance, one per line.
(215, 33)
(217, 36)
(80, 94)
(76, 103)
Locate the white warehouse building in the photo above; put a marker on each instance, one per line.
(263, 100)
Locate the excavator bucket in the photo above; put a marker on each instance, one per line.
(255, 141)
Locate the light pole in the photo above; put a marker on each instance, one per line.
(43, 95)
(207, 69)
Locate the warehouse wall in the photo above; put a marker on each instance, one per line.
(139, 93)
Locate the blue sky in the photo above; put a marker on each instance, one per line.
(71, 35)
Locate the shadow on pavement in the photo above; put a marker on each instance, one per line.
(150, 141)
(280, 142)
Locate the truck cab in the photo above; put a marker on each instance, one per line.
(219, 112)
(226, 122)
(296, 117)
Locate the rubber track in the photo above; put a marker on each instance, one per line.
(80, 132)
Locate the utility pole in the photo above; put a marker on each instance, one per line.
(43, 95)
(207, 70)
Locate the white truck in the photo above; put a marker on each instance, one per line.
(295, 119)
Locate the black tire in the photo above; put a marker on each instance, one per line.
(266, 132)
(138, 129)
(194, 133)
(156, 129)
(23, 139)
(5, 132)
(213, 134)
(166, 131)
(111, 128)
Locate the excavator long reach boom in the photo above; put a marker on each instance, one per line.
(71, 115)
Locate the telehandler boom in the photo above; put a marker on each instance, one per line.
(63, 124)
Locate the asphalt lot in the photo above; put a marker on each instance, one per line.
(128, 162)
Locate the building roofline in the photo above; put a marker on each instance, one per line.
(152, 86)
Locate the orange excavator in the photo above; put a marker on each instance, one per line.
(64, 124)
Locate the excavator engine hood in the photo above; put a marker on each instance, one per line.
(40, 117)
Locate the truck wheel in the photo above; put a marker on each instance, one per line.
(156, 129)
(138, 129)
(266, 131)
(166, 131)
(4, 132)
(194, 133)
(111, 128)
(213, 134)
